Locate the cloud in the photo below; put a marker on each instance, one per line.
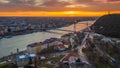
(70, 1)
(59, 5)
(4, 1)
(83, 1)
(38, 2)
(109, 1)
(22, 2)
(77, 5)
(55, 3)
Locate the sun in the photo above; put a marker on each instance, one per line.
(70, 12)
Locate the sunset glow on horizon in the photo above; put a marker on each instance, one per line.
(58, 7)
(55, 14)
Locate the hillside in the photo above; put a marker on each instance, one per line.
(108, 25)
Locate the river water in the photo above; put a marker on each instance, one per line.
(8, 45)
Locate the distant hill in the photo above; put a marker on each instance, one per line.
(108, 25)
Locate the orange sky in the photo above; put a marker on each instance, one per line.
(58, 7)
(62, 13)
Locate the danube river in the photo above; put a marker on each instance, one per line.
(8, 45)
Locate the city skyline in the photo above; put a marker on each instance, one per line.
(58, 7)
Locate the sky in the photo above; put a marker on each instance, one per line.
(58, 7)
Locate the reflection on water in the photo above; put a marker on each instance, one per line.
(21, 41)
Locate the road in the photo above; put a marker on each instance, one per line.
(82, 56)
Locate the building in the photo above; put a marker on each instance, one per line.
(59, 47)
(66, 58)
(72, 60)
(34, 48)
(24, 59)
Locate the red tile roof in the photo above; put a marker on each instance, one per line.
(61, 46)
(70, 54)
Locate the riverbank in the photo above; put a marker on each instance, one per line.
(7, 58)
(79, 28)
(28, 31)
